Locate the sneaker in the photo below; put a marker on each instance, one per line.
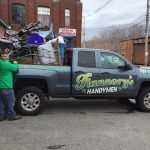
(15, 118)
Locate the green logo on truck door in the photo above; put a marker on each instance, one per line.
(85, 83)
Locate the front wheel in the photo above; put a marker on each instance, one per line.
(143, 100)
(30, 101)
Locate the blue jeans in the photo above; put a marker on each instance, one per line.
(7, 103)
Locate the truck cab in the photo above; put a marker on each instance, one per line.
(101, 73)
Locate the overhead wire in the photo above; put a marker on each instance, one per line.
(125, 27)
(98, 9)
(138, 21)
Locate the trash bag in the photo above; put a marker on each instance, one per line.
(46, 53)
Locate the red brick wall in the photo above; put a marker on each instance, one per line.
(2, 31)
(57, 13)
(79, 24)
(56, 16)
(126, 49)
(132, 50)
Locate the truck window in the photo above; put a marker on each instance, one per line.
(110, 61)
(86, 59)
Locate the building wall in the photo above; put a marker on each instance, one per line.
(126, 49)
(134, 50)
(57, 14)
(2, 31)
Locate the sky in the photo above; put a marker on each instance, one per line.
(99, 14)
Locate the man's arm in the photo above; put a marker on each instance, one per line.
(11, 67)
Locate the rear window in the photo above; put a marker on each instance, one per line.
(86, 59)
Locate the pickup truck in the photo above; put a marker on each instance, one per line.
(93, 73)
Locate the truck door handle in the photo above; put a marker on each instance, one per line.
(105, 73)
(79, 72)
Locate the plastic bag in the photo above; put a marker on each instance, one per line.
(46, 53)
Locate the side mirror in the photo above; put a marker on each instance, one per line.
(125, 67)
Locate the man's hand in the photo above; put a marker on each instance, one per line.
(15, 62)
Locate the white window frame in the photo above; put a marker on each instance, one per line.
(44, 13)
(67, 18)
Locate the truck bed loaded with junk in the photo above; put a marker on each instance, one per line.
(27, 46)
(82, 73)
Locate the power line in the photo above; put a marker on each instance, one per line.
(98, 9)
(135, 22)
(112, 27)
(126, 29)
(142, 18)
(95, 13)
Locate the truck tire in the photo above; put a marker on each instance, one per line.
(143, 100)
(29, 101)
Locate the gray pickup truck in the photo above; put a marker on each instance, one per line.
(94, 73)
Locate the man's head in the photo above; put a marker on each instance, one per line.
(4, 55)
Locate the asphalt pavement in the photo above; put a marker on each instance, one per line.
(79, 125)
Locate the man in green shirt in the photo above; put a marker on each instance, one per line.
(7, 97)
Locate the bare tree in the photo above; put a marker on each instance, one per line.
(110, 39)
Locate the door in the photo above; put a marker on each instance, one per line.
(114, 78)
(138, 54)
(85, 69)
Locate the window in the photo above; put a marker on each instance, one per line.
(111, 61)
(44, 16)
(86, 59)
(67, 18)
(18, 14)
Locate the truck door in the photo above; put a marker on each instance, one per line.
(85, 68)
(116, 78)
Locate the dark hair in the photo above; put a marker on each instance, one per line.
(6, 51)
(2, 52)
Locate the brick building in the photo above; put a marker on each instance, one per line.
(62, 13)
(134, 50)
(3, 27)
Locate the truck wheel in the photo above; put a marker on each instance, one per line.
(30, 101)
(143, 100)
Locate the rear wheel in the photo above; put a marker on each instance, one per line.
(143, 100)
(30, 101)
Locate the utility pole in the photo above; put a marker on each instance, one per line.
(84, 45)
(146, 33)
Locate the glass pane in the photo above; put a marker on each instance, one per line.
(18, 14)
(67, 17)
(67, 12)
(44, 16)
(111, 61)
(67, 21)
(86, 59)
(43, 11)
(44, 20)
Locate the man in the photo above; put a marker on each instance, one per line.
(7, 97)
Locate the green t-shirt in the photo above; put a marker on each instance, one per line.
(6, 74)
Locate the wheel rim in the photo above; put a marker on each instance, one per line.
(147, 100)
(30, 101)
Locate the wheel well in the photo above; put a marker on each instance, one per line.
(143, 85)
(24, 82)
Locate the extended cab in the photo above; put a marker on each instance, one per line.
(94, 73)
